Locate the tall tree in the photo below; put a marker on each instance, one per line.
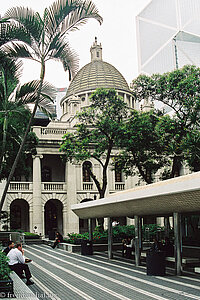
(44, 38)
(14, 100)
(142, 152)
(97, 133)
(180, 91)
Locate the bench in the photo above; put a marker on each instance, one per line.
(185, 260)
(77, 248)
(197, 270)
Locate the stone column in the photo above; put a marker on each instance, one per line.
(72, 221)
(110, 239)
(31, 218)
(65, 232)
(177, 243)
(38, 216)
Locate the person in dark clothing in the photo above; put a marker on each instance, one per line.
(59, 239)
(10, 246)
(157, 246)
(168, 247)
(128, 247)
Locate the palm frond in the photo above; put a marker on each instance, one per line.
(17, 50)
(27, 94)
(85, 10)
(69, 14)
(13, 32)
(59, 49)
(30, 20)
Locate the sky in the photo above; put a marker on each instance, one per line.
(117, 35)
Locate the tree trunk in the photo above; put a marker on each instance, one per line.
(176, 166)
(5, 125)
(23, 143)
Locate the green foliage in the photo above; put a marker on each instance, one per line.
(97, 133)
(180, 91)
(41, 39)
(192, 150)
(122, 232)
(119, 233)
(142, 146)
(4, 219)
(30, 235)
(15, 131)
(4, 267)
(75, 238)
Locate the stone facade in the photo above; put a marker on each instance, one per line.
(42, 203)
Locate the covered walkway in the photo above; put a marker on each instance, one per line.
(61, 275)
(170, 197)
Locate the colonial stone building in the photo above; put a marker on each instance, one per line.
(42, 202)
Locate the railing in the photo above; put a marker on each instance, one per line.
(20, 186)
(52, 186)
(119, 186)
(54, 131)
(87, 186)
(28, 186)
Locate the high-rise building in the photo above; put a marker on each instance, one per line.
(168, 35)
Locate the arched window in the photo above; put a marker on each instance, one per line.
(86, 176)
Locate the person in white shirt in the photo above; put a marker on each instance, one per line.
(17, 263)
(115, 223)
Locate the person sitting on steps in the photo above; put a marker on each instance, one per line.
(17, 263)
(59, 239)
(11, 245)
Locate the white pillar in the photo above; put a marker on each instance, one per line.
(37, 195)
(65, 232)
(72, 221)
(31, 218)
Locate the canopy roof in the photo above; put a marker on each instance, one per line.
(180, 194)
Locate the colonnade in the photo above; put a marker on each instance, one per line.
(138, 240)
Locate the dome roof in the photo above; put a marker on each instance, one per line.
(97, 74)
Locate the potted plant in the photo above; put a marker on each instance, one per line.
(6, 283)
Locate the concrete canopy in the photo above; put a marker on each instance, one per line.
(180, 194)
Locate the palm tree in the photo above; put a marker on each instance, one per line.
(14, 98)
(44, 38)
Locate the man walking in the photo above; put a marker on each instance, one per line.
(17, 263)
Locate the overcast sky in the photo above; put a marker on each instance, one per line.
(117, 35)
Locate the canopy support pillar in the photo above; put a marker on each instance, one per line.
(90, 229)
(110, 239)
(137, 241)
(167, 225)
(177, 243)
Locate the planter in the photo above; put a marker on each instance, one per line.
(6, 288)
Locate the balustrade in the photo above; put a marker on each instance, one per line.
(119, 186)
(87, 186)
(20, 186)
(52, 186)
(53, 131)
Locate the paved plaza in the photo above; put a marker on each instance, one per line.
(68, 276)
